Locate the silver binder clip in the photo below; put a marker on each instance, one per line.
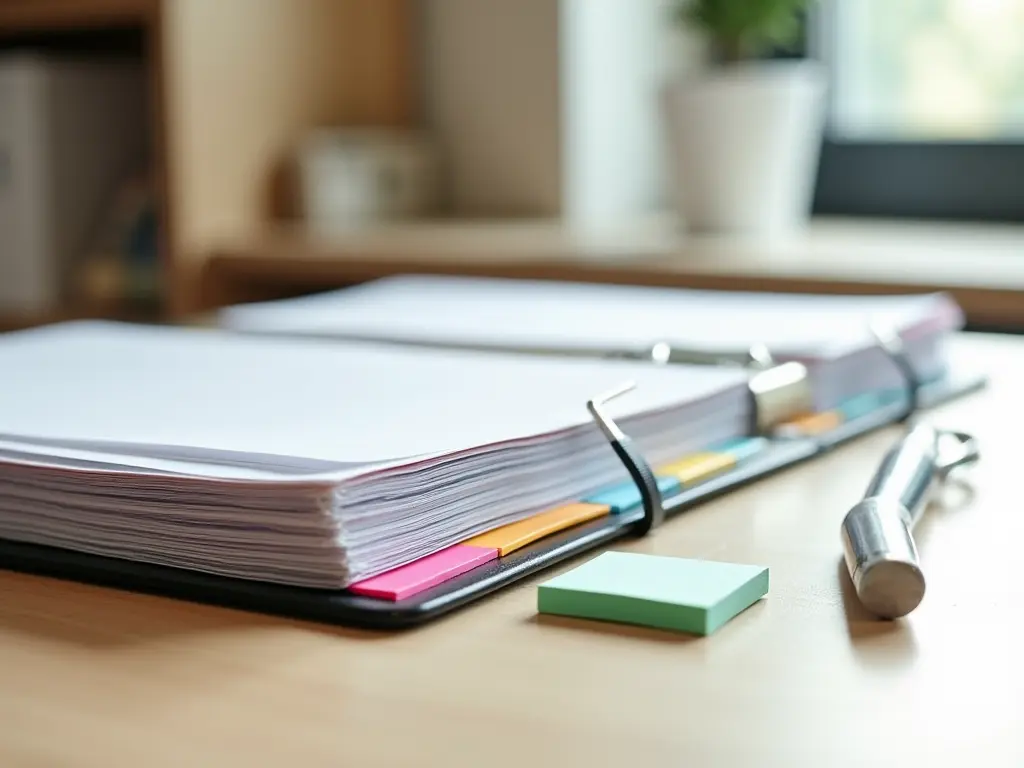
(779, 392)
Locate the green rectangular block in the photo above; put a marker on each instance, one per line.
(694, 596)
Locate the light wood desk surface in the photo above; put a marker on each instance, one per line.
(95, 677)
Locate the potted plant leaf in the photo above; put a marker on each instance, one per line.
(745, 129)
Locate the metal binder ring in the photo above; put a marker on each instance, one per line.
(661, 353)
(636, 465)
(891, 343)
(759, 356)
(778, 391)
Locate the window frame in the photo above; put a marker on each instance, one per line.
(947, 180)
(950, 181)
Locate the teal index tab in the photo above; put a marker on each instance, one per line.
(862, 405)
(693, 596)
(626, 496)
(741, 448)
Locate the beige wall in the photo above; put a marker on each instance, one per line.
(614, 66)
(548, 107)
(243, 80)
(491, 93)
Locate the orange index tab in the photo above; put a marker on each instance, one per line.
(700, 466)
(812, 424)
(513, 536)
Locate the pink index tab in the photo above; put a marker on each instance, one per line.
(407, 580)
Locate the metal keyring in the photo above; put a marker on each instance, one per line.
(964, 451)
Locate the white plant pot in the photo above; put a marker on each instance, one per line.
(744, 144)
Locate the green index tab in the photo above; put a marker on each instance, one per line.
(695, 596)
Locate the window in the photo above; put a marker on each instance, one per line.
(927, 108)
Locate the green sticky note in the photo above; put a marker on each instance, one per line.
(695, 596)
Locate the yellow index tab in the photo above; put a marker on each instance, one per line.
(699, 467)
(813, 424)
(513, 536)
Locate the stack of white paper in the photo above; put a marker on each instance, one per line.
(831, 334)
(311, 463)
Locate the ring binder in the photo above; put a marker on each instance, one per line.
(653, 494)
(890, 342)
(349, 609)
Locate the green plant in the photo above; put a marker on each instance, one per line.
(743, 29)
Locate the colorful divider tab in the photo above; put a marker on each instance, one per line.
(699, 467)
(862, 405)
(514, 536)
(424, 573)
(625, 497)
(742, 448)
(415, 577)
(435, 569)
(849, 410)
(811, 424)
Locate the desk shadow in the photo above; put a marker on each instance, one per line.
(876, 643)
(89, 616)
(614, 629)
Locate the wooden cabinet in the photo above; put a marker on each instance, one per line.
(234, 84)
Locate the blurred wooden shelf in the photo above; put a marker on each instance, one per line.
(142, 313)
(16, 321)
(982, 266)
(287, 67)
(25, 15)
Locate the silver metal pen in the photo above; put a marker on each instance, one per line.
(877, 533)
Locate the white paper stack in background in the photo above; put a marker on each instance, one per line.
(312, 463)
(831, 334)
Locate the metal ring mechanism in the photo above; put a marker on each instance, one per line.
(639, 470)
(890, 342)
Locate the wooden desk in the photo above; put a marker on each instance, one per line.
(982, 266)
(93, 677)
